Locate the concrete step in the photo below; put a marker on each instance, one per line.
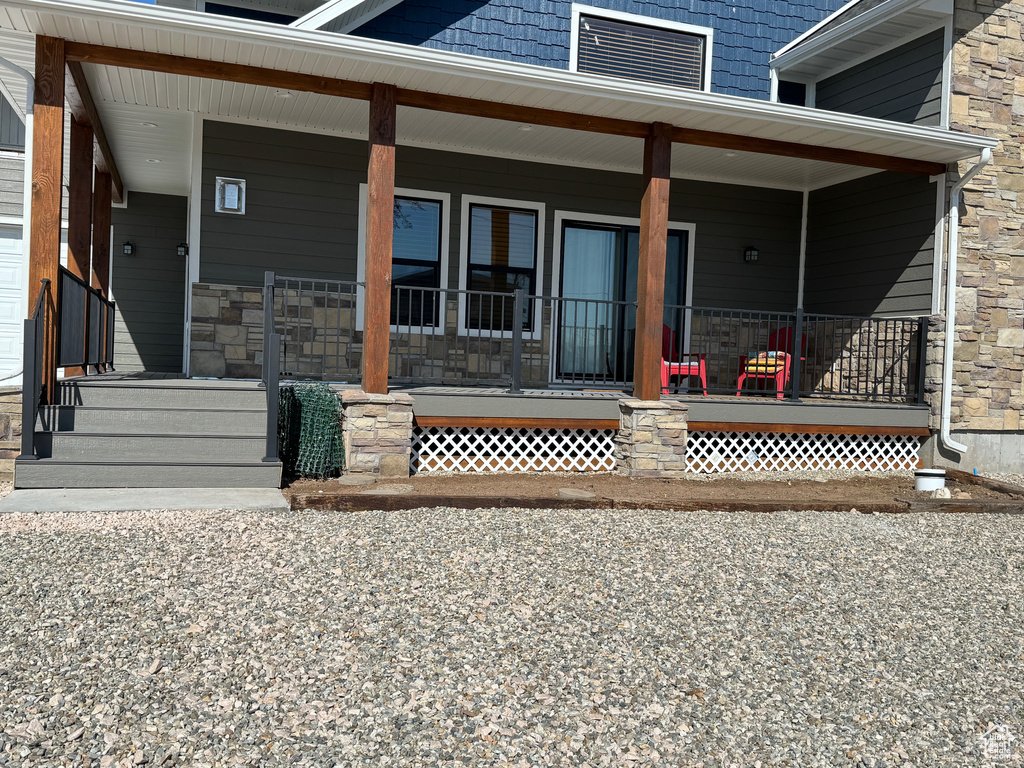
(244, 396)
(152, 421)
(165, 449)
(51, 473)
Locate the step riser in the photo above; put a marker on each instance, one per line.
(43, 475)
(154, 397)
(114, 448)
(160, 422)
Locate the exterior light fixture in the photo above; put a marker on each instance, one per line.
(128, 249)
(750, 254)
(183, 249)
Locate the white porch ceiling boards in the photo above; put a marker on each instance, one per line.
(171, 31)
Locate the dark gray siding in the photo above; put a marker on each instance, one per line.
(302, 211)
(904, 84)
(12, 186)
(149, 287)
(12, 130)
(870, 246)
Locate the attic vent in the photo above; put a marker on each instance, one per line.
(639, 52)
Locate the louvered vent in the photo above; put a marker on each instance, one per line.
(638, 52)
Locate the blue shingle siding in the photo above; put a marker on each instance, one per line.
(537, 31)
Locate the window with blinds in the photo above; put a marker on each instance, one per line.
(639, 52)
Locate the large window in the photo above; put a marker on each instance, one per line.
(502, 257)
(419, 256)
(640, 48)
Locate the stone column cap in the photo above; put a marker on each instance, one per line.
(653, 405)
(359, 397)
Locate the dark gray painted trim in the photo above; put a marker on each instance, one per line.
(904, 84)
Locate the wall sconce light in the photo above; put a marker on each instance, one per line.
(128, 249)
(750, 254)
(183, 249)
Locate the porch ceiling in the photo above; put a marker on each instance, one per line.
(125, 97)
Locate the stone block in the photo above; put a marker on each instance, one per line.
(394, 465)
(206, 307)
(207, 363)
(975, 406)
(1010, 337)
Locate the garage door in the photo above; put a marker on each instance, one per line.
(12, 304)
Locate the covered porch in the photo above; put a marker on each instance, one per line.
(400, 216)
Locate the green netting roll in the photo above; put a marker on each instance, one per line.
(309, 426)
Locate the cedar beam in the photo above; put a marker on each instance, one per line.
(83, 109)
(650, 284)
(351, 89)
(101, 232)
(47, 173)
(805, 151)
(380, 214)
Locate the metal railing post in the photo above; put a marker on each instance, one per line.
(272, 343)
(30, 390)
(797, 352)
(922, 358)
(518, 305)
(268, 321)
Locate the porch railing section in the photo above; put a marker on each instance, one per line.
(32, 373)
(841, 356)
(85, 325)
(514, 340)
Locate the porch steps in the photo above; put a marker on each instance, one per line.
(151, 433)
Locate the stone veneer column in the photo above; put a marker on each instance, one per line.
(652, 438)
(377, 433)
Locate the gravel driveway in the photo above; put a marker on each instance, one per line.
(506, 637)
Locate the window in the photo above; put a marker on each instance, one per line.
(12, 129)
(792, 93)
(501, 251)
(419, 257)
(640, 48)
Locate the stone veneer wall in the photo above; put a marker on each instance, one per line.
(652, 438)
(988, 98)
(377, 433)
(226, 331)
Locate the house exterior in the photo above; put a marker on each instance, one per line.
(555, 198)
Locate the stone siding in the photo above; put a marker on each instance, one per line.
(988, 98)
(10, 431)
(226, 332)
(377, 433)
(652, 438)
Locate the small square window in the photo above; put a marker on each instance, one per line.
(230, 196)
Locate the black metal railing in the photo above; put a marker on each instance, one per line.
(514, 340)
(32, 372)
(85, 323)
(840, 356)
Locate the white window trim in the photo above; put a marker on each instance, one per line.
(595, 218)
(939, 249)
(648, 21)
(539, 264)
(422, 194)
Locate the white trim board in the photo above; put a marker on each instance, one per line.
(195, 226)
(361, 11)
(579, 9)
(539, 261)
(445, 199)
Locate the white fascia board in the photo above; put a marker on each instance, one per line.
(790, 55)
(474, 71)
(361, 10)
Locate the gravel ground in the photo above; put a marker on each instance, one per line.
(508, 637)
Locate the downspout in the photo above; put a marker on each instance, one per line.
(951, 267)
(26, 208)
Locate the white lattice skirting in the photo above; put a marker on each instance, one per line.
(474, 449)
(782, 451)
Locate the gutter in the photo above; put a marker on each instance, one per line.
(26, 210)
(945, 438)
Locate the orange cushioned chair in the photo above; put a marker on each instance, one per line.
(774, 363)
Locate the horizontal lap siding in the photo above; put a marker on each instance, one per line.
(149, 287)
(12, 186)
(871, 245)
(302, 211)
(904, 84)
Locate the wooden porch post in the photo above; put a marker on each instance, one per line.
(650, 286)
(380, 213)
(47, 168)
(102, 186)
(80, 212)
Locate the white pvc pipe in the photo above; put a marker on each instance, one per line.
(947, 351)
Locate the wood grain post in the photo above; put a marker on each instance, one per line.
(80, 215)
(380, 214)
(102, 187)
(47, 168)
(650, 285)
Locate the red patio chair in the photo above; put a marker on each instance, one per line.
(671, 365)
(773, 363)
